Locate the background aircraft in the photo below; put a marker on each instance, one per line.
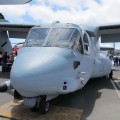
(17, 46)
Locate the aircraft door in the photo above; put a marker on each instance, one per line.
(88, 60)
(76, 44)
(84, 70)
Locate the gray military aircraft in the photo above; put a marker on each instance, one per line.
(57, 58)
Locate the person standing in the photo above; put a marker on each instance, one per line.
(116, 61)
(119, 61)
(4, 62)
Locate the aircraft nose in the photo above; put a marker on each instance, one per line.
(32, 71)
(32, 65)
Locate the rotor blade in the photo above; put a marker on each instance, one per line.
(13, 2)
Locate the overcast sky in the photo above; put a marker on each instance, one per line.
(89, 12)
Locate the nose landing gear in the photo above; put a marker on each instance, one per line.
(43, 106)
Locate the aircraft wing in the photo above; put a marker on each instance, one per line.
(109, 33)
(13, 2)
(15, 30)
(8, 30)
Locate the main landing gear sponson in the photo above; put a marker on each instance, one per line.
(43, 106)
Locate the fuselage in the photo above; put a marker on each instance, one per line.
(56, 59)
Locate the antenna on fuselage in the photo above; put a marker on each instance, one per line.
(55, 22)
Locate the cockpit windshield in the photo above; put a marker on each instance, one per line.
(56, 37)
(36, 37)
(59, 37)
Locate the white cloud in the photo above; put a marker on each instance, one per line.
(69, 4)
(43, 13)
(15, 13)
(76, 11)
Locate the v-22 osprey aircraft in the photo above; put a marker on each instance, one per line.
(57, 58)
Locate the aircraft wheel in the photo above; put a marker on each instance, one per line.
(17, 95)
(44, 107)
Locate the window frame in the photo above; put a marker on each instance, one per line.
(76, 43)
(86, 45)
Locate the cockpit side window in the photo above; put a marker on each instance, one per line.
(80, 46)
(86, 44)
(76, 42)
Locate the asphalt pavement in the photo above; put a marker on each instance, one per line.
(100, 98)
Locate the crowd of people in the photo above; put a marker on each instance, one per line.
(7, 61)
(116, 61)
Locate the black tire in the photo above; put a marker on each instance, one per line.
(44, 107)
(111, 74)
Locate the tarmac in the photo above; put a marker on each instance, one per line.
(99, 99)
